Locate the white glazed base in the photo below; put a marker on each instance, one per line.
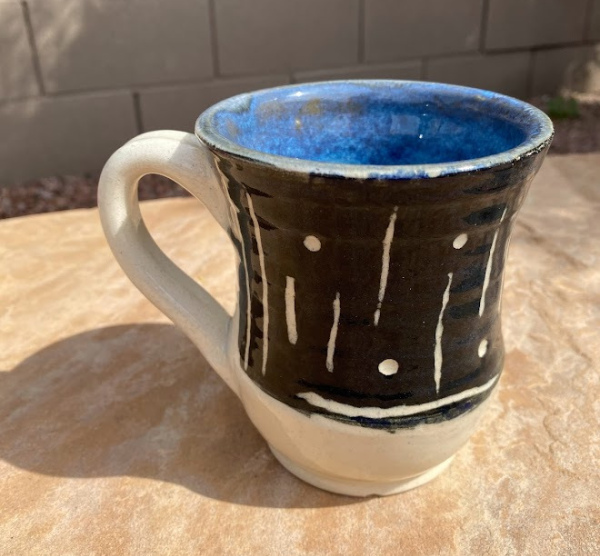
(351, 487)
(350, 459)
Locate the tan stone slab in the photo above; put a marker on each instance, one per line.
(116, 438)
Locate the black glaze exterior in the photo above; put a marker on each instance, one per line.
(350, 217)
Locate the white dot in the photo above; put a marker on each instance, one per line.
(482, 349)
(459, 241)
(312, 243)
(388, 367)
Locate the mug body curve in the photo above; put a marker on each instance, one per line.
(371, 222)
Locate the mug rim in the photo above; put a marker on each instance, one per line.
(538, 136)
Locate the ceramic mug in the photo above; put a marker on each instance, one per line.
(371, 221)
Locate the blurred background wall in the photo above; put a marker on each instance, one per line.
(80, 77)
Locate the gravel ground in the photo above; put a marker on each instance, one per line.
(578, 135)
(71, 192)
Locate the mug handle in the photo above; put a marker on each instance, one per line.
(181, 157)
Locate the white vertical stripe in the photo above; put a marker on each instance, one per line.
(333, 333)
(290, 309)
(385, 263)
(377, 315)
(439, 330)
(265, 285)
(488, 268)
(399, 411)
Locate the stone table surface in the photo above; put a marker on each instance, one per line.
(116, 438)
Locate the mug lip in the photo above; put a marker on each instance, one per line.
(538, 136)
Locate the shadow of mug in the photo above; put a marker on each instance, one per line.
(139, 400)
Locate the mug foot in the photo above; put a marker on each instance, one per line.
(350, 487)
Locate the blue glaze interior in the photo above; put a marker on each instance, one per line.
(378, 123)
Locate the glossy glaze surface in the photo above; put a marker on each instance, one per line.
(358, 124)
(373, 298)
(381, 128)
(394, 320)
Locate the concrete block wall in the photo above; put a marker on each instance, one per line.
(80, 77)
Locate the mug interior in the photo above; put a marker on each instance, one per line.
(380, 123)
